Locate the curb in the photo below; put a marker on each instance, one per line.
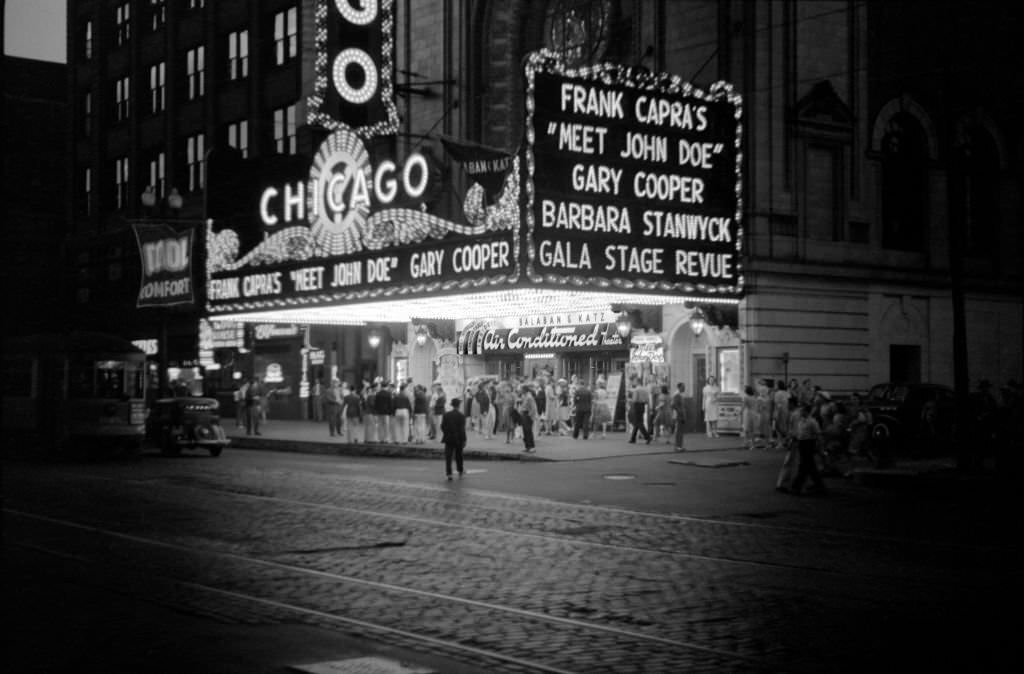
(375, 449)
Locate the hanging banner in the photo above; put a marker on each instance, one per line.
(632, 179)
(487, 166)
(166, 261)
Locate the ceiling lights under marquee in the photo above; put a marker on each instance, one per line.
(644, 164)
(485, 304)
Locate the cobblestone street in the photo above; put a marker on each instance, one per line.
(509, 582)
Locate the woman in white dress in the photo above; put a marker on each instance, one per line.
(602, 415)
(709, 404)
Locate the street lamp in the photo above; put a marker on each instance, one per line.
(697, 321)
(149, 197)
(624, 325)
(373, 339)
(174, 200)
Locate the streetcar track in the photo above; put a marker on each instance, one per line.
(572, 540)
(321, 615)
(670, 517)
(389, 587)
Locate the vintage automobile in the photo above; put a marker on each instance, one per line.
(186, 422)
(915, 418)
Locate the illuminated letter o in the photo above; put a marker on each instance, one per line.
(415, 190)
(359, 17)
(362, 59)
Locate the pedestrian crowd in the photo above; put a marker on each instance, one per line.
(517, 409)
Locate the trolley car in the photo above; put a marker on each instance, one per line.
(81, 391)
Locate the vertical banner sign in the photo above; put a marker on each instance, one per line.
(631, 179)
(166, 257)
(354, 59)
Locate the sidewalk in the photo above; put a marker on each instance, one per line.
(313, 437)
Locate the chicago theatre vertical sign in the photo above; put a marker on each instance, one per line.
(631, 180)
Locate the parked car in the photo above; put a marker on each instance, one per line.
(186, 422)
(913, 417)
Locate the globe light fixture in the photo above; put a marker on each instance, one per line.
(698, 321)
(149, 197)
(624, 325)
(421, 334)
(174, 200)
(373, 339)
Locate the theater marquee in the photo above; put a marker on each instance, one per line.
(631, 180)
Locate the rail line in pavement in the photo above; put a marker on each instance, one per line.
(562, 642)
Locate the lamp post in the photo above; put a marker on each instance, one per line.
(173, 202)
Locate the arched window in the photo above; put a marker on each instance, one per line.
(579, 30)
(975, 190)
(904, 183)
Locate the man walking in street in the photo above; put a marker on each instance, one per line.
(808, 433)
(641, 397)
(679, 414)
(582, 400)
(453, 430)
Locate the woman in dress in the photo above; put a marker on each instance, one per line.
(709, 403)
(602, 415)
(663, 415)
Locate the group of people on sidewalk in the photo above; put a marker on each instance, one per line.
(521, 409)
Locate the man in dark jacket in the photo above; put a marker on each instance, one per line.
(453, 430)
(384, 409)
(582, 400)
(679, 414)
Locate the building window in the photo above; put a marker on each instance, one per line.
(86, 202)
(195, 65)
(904, 184)
(120, 183)
(87, 40)
(975, 191)
(285, 140)
(157, 14)
(824, 215)
(158, 174)
(122, 99)
(194, 155)
(238, 136)
(157, 87)
(123, 21)
(286, 35)
(579, 30)
(238, 55)
(87, 113)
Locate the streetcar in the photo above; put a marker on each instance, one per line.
(83, 391)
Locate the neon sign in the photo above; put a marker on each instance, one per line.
(632, 181)
(353, 87)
